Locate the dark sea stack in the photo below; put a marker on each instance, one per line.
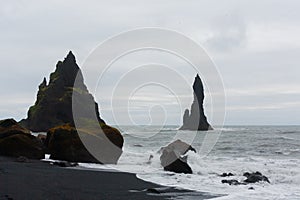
(53, 106)
(195, 119)
(173, 159)
(64, 143)
(16, 141)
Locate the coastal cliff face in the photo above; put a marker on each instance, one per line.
(53, 106)
(196, 119)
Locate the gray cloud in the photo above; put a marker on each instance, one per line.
(255, 45)
(228, 32)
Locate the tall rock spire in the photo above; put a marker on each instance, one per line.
(196, 119)
(53, 106)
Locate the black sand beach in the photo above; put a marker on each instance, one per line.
(39, 180)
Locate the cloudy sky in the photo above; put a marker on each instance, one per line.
(254, 44)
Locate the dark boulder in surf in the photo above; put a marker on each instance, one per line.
(250, 178)
(173, 157)
(255, 177)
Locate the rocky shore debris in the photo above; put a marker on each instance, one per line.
(64, 164)
(253, 177)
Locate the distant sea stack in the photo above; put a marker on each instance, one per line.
(53, 106)
(196, 119)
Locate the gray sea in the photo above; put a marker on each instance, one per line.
(272, 150)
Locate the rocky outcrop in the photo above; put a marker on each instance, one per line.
(16, 141)
(255, 177)
(10, 127)
(232, 182)
(196, 119)
(53, 106)
(64, 143)
(250, 178)
(227, 174)
(173, 157)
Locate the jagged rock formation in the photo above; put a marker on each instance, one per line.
(196, 119)
(16, 141)
(69, 114)
(53, 106)
(173, 157)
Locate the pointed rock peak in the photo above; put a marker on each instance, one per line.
(197, 86)
(65, 72)
(70, 57)
(44, 83)
(197, 79)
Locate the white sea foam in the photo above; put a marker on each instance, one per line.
(283, 174)
(282, 169)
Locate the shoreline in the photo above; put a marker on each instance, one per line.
(39, 180)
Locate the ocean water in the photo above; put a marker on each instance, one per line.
(272, 150)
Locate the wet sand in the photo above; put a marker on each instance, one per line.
(39, 180)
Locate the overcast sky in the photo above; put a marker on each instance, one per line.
(254, 44)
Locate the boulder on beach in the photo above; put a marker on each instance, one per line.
(173, 159)
(103, 145)
(16, 141)
(195, 119)
(10, 127)
(53, 106)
